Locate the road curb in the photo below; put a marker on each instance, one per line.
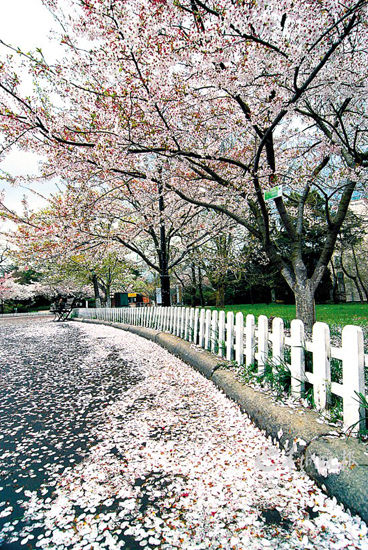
(339, 465)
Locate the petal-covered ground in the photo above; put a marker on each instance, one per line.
(142, 452)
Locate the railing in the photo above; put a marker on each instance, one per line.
(263, 343)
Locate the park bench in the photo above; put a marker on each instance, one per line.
(63, 308)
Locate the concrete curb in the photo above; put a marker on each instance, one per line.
(337, 464)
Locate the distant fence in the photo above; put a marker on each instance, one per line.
(265, 342)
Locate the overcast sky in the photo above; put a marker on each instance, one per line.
(26, 24)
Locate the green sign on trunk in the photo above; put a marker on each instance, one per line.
(273, 193)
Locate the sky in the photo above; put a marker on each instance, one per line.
(26, 24)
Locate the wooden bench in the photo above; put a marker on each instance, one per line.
(63, 308)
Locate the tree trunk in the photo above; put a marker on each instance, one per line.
(194, 281)
(335, 283)
(200, 287)
(305, 305)
(96, 290)
(163, 252)
(165, 288)
(361, 283)
(353, 278)
(220, 295)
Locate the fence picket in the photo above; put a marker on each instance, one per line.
(214, 329)
(202, 319)
(182, 322)
(239, 338)
(262, 356)
(196, 322)
(353, 376)
(321, 365)
(250, 345)
(221, 334)
(297, 353)
(207, 338)
(229, 335)
(186, 323)
(277, 341)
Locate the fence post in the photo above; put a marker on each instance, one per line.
(146, 317)
(297, 366)
(229, 335)
(169, 319)
(196, 320)
(262, 343)
(221, 334)
(249, 340)
(148, 314)
(321, 365)
(239, 338)
(191, 325)
(353, 376)
(186, 323)
(214, 330)
(277, 341)
(177, 316)
(207, 338)
(153, 318)
(201, 328)
(174, 321)
(182, 324)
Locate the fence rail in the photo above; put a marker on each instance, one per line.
(266, 343)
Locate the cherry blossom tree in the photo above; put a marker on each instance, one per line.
(156, 226)
(11, 290)
(233, 97)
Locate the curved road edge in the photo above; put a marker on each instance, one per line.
(338, 464)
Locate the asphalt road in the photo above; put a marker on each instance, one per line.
(53, 393)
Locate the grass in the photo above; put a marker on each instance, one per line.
(332, 314)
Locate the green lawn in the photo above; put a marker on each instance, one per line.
(332, 314)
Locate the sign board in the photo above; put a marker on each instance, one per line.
(273, 193)
(132, 294)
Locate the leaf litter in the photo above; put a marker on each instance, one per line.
(167, 460)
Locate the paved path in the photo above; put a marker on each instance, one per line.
(109, 442)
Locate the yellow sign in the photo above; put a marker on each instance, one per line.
(132, 294)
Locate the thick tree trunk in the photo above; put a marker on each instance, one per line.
(165, 288)
(163, 252)
(220, 295)
(305, 305)
(96, 290)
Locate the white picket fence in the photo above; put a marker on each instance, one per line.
(249, 342)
